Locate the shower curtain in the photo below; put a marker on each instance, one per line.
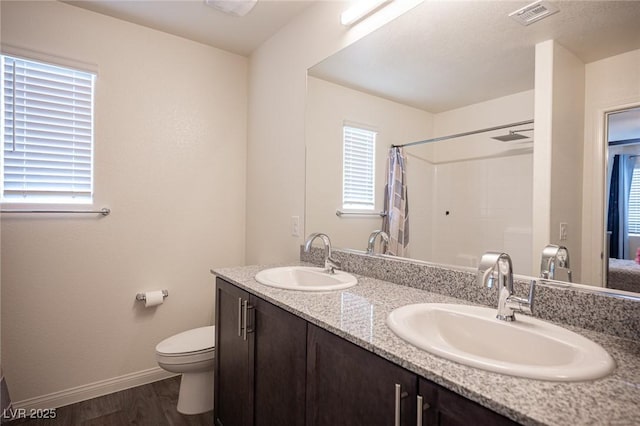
(619, 190)
(396, 204)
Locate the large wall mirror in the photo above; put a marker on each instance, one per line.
(447, 68)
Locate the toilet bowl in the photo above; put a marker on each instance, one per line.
(191, 353)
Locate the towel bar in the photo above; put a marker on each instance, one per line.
(359, 213)
(104, 211)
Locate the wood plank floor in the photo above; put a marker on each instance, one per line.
(153, 404)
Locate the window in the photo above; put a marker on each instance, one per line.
(358, 175)
(634, 201)
(47, 133)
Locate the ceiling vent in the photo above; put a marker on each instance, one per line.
(534, 12)
(235, 8)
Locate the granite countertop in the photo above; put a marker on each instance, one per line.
(358, 314)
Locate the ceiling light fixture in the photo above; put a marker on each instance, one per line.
(360, 10)
(236, 8)
(534, 12)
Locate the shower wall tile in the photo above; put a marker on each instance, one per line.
(488, 195)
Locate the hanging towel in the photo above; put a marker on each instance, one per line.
(5, 399)
(396, 204)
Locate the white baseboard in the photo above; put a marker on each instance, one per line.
(93, 390)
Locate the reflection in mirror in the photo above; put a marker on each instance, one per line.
(623, 195)
(555, 261)
(474, 188)
(446, 68)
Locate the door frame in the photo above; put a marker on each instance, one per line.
(599, 269)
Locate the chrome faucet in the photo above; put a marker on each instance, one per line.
(554, 257)
(372, 241)
(330, 264)
(498, 265)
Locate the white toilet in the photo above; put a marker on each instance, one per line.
(191, 354)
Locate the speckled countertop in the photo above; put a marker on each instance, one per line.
(358, 314)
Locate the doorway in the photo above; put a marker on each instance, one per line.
(622, 214)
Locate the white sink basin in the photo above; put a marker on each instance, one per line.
(305, 278)
(527, 347)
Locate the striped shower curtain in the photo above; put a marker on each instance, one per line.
(396, 204)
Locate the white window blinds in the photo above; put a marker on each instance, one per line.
(47, 132)
(358, 168)
(634, 201)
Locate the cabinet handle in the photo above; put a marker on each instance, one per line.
(244, 319)
(239, 316)
(250, 323)
(398, 394)
(421, 408)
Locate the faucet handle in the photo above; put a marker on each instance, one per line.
(520, 303)
(331, 264)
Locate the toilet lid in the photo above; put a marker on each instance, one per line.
(198, 339)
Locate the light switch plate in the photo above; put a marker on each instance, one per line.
(295, 226)
(563, 231)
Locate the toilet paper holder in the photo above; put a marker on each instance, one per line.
(142, 297)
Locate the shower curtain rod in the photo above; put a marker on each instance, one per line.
(444, 138)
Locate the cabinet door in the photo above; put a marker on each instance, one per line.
(348, 385)
(279, 360)
(445, 408)
(232, 396)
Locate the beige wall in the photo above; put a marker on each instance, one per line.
(610, 84)
(558, 151)
(486, 185)
(329, 106)
(494, 112)
(170, 149)
(567, 152)
(276, 153)
(543, 113)
(571, 187)
(277, 93)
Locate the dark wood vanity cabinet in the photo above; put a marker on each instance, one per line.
(260, 361)
(274, 368)
(445, 408)
(279, 363)
(232, 394)
(348, 385)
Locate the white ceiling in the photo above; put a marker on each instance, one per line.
(441, 55)
(194, 20)
(447, 54)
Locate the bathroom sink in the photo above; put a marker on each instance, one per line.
(527, 347)
(305, 278)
